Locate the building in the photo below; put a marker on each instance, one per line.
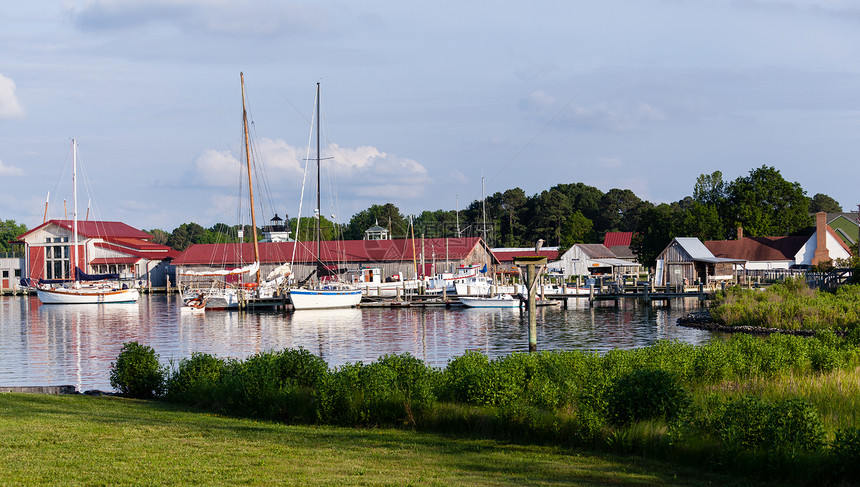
(766, 253)
(103, 247)
(686, 261)
(277, 230)
(407, 257)
(594, 259)
(505, 256)
(376, 233)
(845, 225)
(619, 243)
(11, 264)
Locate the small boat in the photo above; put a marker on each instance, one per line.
(194, 305)
(496, 301)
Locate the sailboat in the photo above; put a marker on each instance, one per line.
(99, 288)
(221, 295)
(323, 294)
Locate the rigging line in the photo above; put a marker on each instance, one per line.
(530, 142)
(304, 180)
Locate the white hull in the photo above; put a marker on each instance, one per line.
(87, 296)
(388, 289)
(324, 298)
(483, 286)
(499, 301)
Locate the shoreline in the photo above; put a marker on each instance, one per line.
(702, 320)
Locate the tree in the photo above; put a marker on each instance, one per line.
(710, 189)
(387, 216)
(307, 229)
(186, 235)
(551, 211)
(619, 211)
(512, 204)
(576, 229)
(765, 204)
(658, 225)
(158, 236)
(822, 202)
(9, 232)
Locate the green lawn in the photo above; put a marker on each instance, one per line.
(109, 441)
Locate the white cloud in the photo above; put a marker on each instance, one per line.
(248, 18)
(10, 170)
(217, 168)
(10, 106)
(457, 175)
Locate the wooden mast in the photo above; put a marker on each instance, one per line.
(250, 185)
(318, 232)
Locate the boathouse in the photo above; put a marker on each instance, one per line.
(595, 259)
(506, 255)
(620, 245)
(404, 257)
(767, 253)
(686, 261)
(103, 247)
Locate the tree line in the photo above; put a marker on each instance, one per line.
(762, 202)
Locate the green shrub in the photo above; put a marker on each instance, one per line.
(195, 379)
(846, 451)
(468, 379)
(787, 426)
(645, 394)
(137, 373)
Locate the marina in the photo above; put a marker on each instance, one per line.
(75, 344)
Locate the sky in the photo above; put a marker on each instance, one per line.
(422, 102)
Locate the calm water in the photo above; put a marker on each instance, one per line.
(75, 344)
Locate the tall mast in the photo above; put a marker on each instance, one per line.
(75, 214)
(319, 208)
(250, 186)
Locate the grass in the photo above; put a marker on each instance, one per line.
(115, 441)
(835, 394)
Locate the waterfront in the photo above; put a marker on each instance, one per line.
(75, 344)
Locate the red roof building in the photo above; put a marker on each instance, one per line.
(103, 247)
(425, 257)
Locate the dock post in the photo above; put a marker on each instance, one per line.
(591, 296)
(701, 291)
(531, 263)
(647, 297)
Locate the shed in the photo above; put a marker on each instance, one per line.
(686, 260)
(592, 259)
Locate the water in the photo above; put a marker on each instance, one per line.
(75, 344)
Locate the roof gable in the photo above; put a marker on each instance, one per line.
(94, 229)
(757, 249)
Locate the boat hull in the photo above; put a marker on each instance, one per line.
(324, 298)
(503, 301)
(87, 296)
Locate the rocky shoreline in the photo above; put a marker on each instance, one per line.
(702, 320)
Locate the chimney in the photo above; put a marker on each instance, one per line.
(740, 233)
(821, 253)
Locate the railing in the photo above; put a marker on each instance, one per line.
(11, 255)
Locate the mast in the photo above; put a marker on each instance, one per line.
(318, 232)
(250, 186)
(74, 265)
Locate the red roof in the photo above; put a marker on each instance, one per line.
(94, 229)
(139, 248)
(613, 239)
(363, 251)
(507, 256)
(114, 260)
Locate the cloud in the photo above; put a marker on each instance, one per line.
(10, 106)
(10, 170)
(614, 116)
(216, 168)
(259, 18)
(457, 175)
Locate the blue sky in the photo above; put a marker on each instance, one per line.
(419, 100)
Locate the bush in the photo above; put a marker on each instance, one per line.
(846, 451)
(137, 373)
(787, 426)
(646, 394)
(195, 379)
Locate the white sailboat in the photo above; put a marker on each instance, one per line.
(495, 301)
(323, 294)
(99, 288)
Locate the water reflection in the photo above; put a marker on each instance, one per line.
(75, 344)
